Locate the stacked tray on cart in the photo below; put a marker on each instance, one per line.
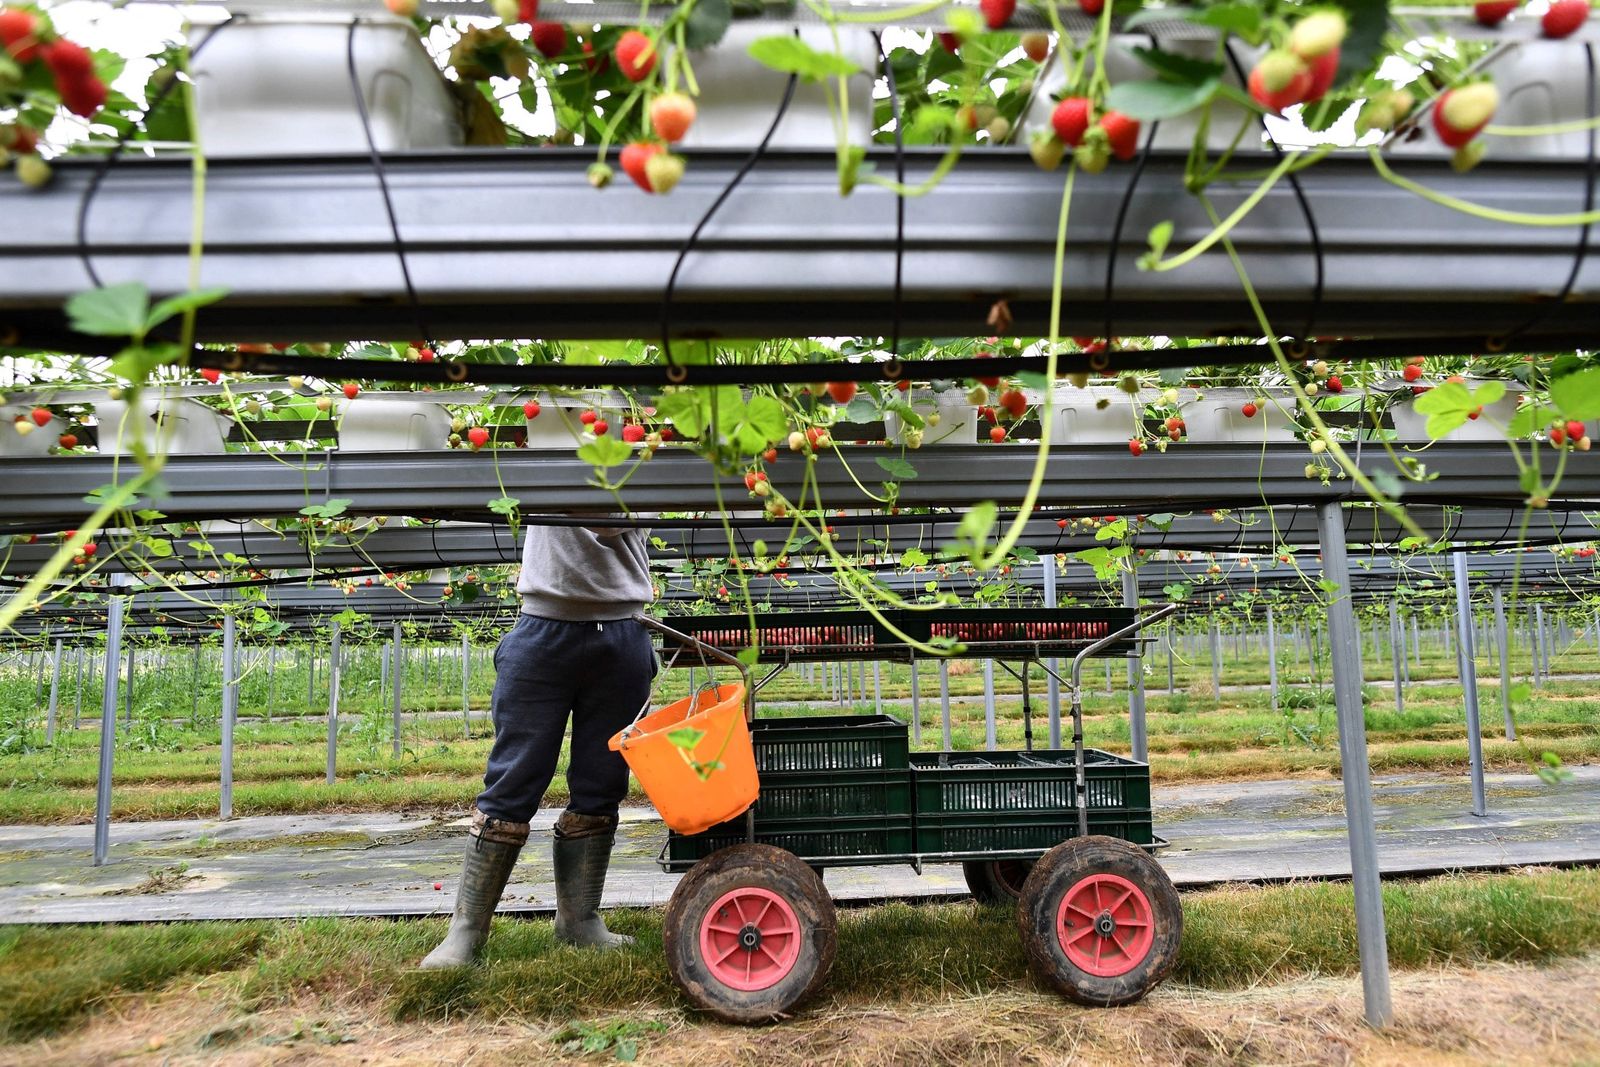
(999, 633)
(845, 790)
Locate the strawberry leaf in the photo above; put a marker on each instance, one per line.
(1577, 396)
(605, 452)
(897, 468)
(791, 55)
(112, 311)
(177, 305)
(1152, 101)
(706, 23)
(685, 737)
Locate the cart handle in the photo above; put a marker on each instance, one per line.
(708, 650)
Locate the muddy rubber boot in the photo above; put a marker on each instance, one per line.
(582, 849)
(492, 849)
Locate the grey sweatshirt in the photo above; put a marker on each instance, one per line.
(585, 574)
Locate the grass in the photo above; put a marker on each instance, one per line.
(51, 977)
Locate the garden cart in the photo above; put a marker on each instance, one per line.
(750, 930)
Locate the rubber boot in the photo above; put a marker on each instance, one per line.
(492, 849)
(582, 850)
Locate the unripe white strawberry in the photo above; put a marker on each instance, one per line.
(1046, 149)
(1279, 70)
(1471, 106)
(797, 441)
(1079, 379)
(33, 172)
(1318, 33)
(506, 10)
(664, 170)
(978, 395)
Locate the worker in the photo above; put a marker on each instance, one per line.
(575, 649)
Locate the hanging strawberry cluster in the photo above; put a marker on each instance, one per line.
(39, 69)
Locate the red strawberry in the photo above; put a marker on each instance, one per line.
(1280, 80)
(425, 354)
(1014, 402)
(1091, 7)
(842, 392)
(527, 10)
(1071, 119)
(350, 390)
(531, 409)
(1558, 435)
(1411, 372)
(671, 115)
(69, 61)
(84, 98)
(41, 416)
(1493, 12)
(478, 437)
(770, 455)
(1564, 17)
(997, 434)
(1122, 132)
(636, 55)
(595, 64)
(996, 13)
(210, 374)
(1575, 430)
(599, 427)
(633, 160)
(1136, 446)
(68, 441)
(1249, 410)
(19, 34)
(949, 42)
(1323, 70)
(588, 418)
(550, 38)
(633, 433)
(1335, 384)
(1460, 113)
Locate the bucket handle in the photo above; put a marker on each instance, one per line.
(704, 650)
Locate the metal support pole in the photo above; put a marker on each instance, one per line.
(877, 689)
(1397, 657)
(383, 673)
(944, 700)
(108, 718)
(1342, 641)
(399, 669)
(1052, 684)
(272, 677)
(1136, 724)
(989, 739)
(55, 691)
(1272, 657)
(77, 690)
(1171, 687)
(466, 681)
(1466, 660)
(916, 705)
(1502, 646)
(1216, 659)
(1539, 661)
(334, 671)
(194, 685)
(230, 697)
(1416, 641)
(127, 713)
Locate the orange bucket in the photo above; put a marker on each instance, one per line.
(695, 783)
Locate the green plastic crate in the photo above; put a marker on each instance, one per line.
(829, 743)
(826, 795)
(840, 840)
(975, 835)
(1039, 781)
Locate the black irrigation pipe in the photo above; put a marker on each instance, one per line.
(459, 372)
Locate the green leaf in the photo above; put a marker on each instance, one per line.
(750, 657)
(688, 410)
(686, 738)
(1363, 43)
(972, 532)
(114, 311)
(913, 557)
(793, 56)
(330, 510)
(605, 452)
(1152, 101)
(908, 415)
(897, 468)
(157, 547)
(504, 506)
(1032, 379)
(1577, 396)
(135, 363)
(1180, 70)
(1242, 19)
(707, 22)
(1112, 530)
(177, 305)
(861, 409)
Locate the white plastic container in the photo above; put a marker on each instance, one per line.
(1217, 415)
(21, 446)
(185, 428)
(377, 423)
(739, 96)
(1175, 133)
(1080, 417)
(958, 420)
(279, 83)
(1412, 425)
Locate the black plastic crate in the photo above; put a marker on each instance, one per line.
(839, 840)
(829, 743)
(1034, 782)
(818, 633)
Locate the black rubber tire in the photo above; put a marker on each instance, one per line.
(1054, 875)
(996, 881)
(764, 867)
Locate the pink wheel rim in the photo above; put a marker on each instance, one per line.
(750, 939)
(1105, 925)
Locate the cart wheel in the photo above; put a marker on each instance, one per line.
(750, 932)
(996, 881)
(1101, 921)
